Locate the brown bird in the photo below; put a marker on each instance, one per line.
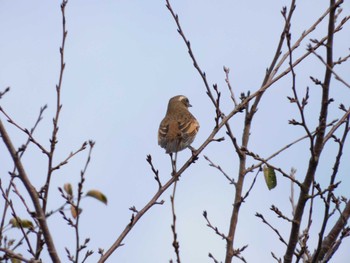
(179, 127)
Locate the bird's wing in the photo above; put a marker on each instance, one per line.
(189, 127)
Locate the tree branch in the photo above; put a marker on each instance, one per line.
(40, 215)
(318, 146)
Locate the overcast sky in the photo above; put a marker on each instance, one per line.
(124, 60)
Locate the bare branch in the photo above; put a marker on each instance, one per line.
(274, 229)
(156, 172)
(231, 180)
(301, 105)
(190, 52)
(11, 184)
(30, 134)
(227, 80)
(317, 255)
(343, 120)
(176, 244)
(336, 76)
(216, 230)
(53, 140)
(342, 60)
(2, 93)
(298, 42)
(318, 146)
(291, 198)
(237, 253)
(15, 216)
(251, 186)
(72, 154)
(280, 214)
(213, 258)
(279, 260)
(245, 137)
(79, 247)
(40, 215)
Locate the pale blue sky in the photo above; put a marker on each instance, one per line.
(124, 60)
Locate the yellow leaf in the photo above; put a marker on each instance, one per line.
(16, 260)
(27, 223)
(14, 222)
(17, 222)
(98, 195)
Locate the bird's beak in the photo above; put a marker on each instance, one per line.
(189, 105)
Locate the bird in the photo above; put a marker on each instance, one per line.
(179, 127)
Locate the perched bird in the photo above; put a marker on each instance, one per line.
(179, 127)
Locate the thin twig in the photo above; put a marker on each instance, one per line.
(212, 164)
(213, 258)
(216, 230)
(337, 77)
(156, 172)
(237, 253)
(343, 119)
(227, 80)
(79, 247)
(297, 44)
(16, 217)
(2, 93)
(251, 186)
(53, 140)
(296, 100)
(176, 244)
(72, 154)
(280, 214)
(190, 52)
(21, 153)
(26, 131)
(274, 229)
(279, 260)
(291, 198)
(342, 60)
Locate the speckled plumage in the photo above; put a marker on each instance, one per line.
(179, 127)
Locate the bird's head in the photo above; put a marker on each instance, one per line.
(178, 102)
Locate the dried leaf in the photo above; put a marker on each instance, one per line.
(98, 195)
(75, 211)
(68, 189)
